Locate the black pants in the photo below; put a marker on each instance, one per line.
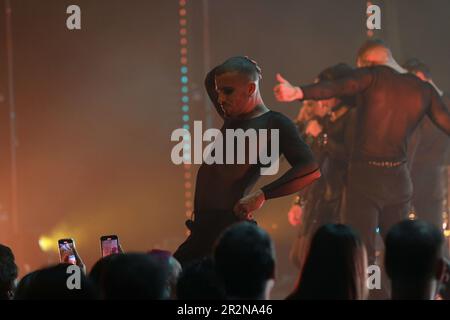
(205, 230)
(377, 197)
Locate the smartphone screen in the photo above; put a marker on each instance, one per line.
(66, 252)
(110, 245)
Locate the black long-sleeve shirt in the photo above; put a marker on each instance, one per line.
(391, 105)
(220, 186)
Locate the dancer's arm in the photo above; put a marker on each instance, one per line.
(304, 168)
(210, 85)
(358, 81)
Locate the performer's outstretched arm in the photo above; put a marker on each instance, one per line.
(357, 82)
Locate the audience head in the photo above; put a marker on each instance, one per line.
(244, 259)
(8, 273)
(59, 282)
(414, 259)
(172, 268)
(98, 270)
(199, 281)
(133, 276)
(335, 267)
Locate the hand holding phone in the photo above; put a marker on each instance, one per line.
(110, 245)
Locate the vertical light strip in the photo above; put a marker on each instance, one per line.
(185, 106)
(12, 118)
(206, 63)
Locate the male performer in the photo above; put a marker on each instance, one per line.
(390, 105)
(222, 194)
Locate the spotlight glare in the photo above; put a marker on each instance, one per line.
(46, 243)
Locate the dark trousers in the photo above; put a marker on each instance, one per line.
(377, 197)
(205, 230)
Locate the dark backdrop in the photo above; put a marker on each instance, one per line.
(96, 107)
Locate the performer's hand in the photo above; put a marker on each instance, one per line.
(286, 92)
(295, 215)
(80, 262)
(244, 208)
(313, 128)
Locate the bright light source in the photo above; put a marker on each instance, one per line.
(47, 244)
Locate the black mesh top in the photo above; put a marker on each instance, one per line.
(391, 105)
